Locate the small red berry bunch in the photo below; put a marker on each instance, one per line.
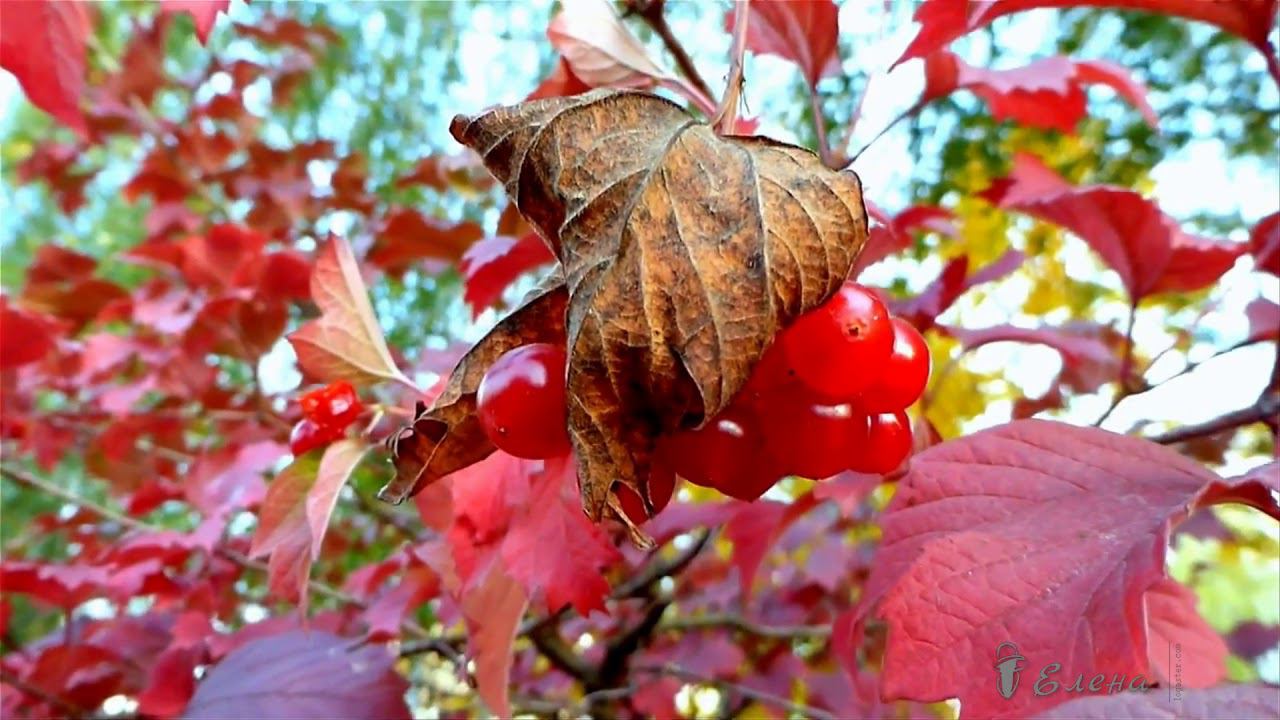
(327, 413)
(829, 395)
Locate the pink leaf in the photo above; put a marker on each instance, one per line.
(415, 587)
(339, 461)
(1183, 648)
(345, 342)
(1264, 320)
(42, 42)
(1240, 702)
(756, 528)
(302, 673)
(552, 545)
(1256, 488)
(805, 33)
(1037, 533)
(494, 263)
(493, 611)
(954, 281)
(599, 49)
(171, 685)
(1079, 351)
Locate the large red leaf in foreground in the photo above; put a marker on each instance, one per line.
(942, 21)
(1241, 702)
(42, 42)
(805, 33)
(302, 674)
(1048, 93)
(1182, 647)
(1038, 533)
(1146, 247)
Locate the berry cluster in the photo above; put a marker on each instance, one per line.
(327, 412)
(829, 395)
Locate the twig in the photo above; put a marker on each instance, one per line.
(820, 127)
(1273, 65)
(1126, 367)
(546, 637)
(726, 117)
(651, 11)
(439, 646)
(1266, 408)
(621, 647)
(68, 708)
(884, 130)
(805, 711)
(660, 569)
(741, 624)
(316, 586)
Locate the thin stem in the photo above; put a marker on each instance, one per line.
(820, 126)
(1266, 408)
(741, 624)
(651, 11)
(726, 117)
(673, 670)
(1126, 367)
(1273, 65)
(884, 130)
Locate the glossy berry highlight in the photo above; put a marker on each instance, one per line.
(521, 402)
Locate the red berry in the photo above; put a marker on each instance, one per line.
(809, 438)
(888, 444)
(308, 435)
(839, 348)
(333, 406)
(521, 402)
(905, 373)
(717, 455)
(662, 483)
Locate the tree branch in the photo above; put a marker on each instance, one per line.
(657, 570)
(676, 671)
(741, 624)
(621, 648)
(651, 11)
(726, 117)
(1266, 408)
(546, 637)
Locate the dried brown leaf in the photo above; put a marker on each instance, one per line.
(683, 254)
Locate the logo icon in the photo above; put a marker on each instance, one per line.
(1007, 669)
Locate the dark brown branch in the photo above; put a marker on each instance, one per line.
(546, 637)
(1265, 409)
(651, 11)
(621, 648)
(639, 583)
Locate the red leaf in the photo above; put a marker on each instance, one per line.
(64, 586)
(923, 309)
(1241, 702)
(1037, 533)
(1256, 488)
(492, 264)
(1264, 320)
(298, 674)
(295, 515)
(493, 611)
(25, 337)
(756, 528)
(893, 235)
(1144, 246)
(345, 342)
(203, 12)
(442, 172)
(1264, 244)
(1184, 650)
(1047, 93)
(384, 616)
(231, 478)
(83, 675)
(42, 42)
(942, 21)
(407, 237)
(805, 33)
(285, 276)
(552, 546)
(171, 685)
